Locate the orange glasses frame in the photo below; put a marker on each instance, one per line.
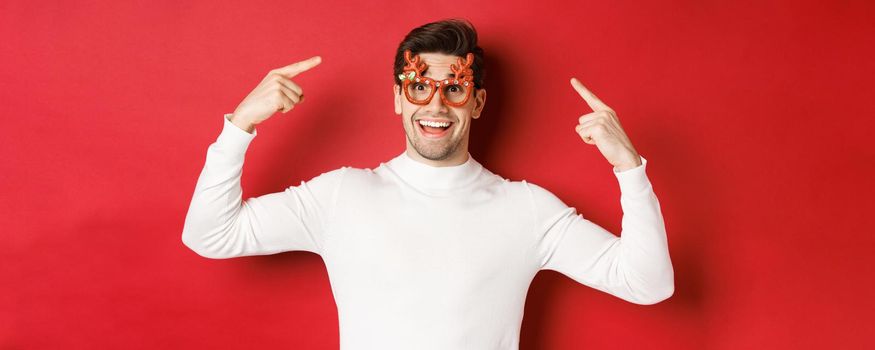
(464, 76)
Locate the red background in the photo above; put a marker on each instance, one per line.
(753, 116)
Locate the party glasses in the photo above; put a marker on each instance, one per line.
(453, 91)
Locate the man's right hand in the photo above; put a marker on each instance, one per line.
(276, 92)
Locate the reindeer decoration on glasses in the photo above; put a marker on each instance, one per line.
(453, 91)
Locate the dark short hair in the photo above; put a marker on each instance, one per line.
(455, 37)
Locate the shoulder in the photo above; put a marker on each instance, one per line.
(524, 187)
(335, 175)
(542, 198)
(358, 173)
(357, 177)
(528, 192)
(347, 172)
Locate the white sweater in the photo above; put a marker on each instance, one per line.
(423, 257)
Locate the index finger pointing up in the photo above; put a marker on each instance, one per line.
(588, 96)
(299, 67)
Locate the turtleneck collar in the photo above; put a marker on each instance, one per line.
(431, 178)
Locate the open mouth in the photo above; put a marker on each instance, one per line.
(434, 129)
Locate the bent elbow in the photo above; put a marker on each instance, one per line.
(658, 296)
(653, 287)
(196, 245)
(655, 294)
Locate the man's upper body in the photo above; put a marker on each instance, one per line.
(423, 257)
(430, 250)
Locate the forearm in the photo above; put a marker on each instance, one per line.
(213, 222)
(643, 246)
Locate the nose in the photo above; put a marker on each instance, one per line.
(436, 105)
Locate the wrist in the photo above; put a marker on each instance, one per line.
(242, 123)
(629, 164)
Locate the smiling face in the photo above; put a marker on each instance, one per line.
(435, 143)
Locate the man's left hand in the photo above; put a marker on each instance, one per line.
(602, 129)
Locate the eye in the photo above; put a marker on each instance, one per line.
(454, 88)
(419, 87)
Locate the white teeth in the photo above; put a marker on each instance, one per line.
(434, 124)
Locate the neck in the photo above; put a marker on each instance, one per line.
(435, 180)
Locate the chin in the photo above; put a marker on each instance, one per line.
(430, 150)
(434, 156)
(437, 153)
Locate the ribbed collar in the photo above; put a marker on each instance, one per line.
(432, 179)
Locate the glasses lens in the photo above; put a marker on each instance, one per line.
(419, 92)
(455, 93)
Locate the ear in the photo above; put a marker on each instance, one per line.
(479, 103)
(397, 90)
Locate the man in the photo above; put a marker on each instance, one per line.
(431, 250)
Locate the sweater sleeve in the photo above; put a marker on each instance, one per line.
(635, 267)
(219, 225)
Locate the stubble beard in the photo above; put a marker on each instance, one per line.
(434, 149)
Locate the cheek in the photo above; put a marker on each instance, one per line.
(462, 114)
(407, 114)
